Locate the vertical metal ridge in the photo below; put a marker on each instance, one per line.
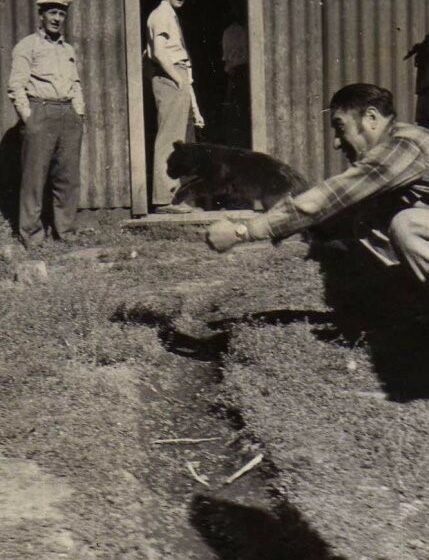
(377, 36)
(294, 83)
(96, 30)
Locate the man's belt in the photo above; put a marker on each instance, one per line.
(157, 69)
(61, 101)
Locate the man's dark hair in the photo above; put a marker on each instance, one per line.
(359, 97)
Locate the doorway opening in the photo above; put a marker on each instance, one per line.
(216, 36)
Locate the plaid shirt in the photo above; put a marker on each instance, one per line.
(400, 161)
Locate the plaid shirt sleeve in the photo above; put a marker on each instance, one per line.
(388, 166)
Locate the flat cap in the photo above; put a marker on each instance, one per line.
(65, 3)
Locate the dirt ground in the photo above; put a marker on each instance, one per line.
(314, 358)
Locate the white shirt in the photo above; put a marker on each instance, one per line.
(163, 21)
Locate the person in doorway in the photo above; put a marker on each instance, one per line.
(421, 61)
(389, 175)
(235, 55)
(174, 97)
(45, 88)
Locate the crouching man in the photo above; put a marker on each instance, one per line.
(388, 175)
(45, 88)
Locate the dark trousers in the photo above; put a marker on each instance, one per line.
(52, 139)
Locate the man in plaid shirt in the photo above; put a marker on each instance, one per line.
(389, 171)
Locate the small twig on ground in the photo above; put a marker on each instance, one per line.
(246, 468)
(234, 440)
(202, 479)
(185, 440)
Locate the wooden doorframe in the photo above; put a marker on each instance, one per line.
(255, 13)
(136, 128)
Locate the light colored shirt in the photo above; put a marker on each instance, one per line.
(45, 69)
(400, 161)
(163, 21)
(235, 46)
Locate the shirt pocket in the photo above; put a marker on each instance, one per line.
(43, 64)
(70, 68)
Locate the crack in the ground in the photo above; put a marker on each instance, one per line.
(230, 521)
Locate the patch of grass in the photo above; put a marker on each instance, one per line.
(78, 357)
(352, 462)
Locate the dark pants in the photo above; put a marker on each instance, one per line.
(51, 148)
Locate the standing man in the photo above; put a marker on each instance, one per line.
(389, 173)
(235, 54)
(174, 97)
(422, 82)
(45, 88)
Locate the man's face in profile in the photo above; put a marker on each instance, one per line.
(350, 134)
(176, 4)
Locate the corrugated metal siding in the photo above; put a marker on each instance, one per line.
(97, 32)
(294, 93)
(96, 29)
(17, 19)
(366, 41)
(313, 48)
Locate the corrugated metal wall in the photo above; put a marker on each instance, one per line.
(294, 93)
(17, 19)
(366, 41)
(96, 29)
(313, 48)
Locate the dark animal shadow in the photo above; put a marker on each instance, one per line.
(214, 342)
(237, 532)
(10, 175)
(385, 307)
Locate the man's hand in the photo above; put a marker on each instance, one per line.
(199, 120)
(177, 79)
(25, 115)
(196, 113)
(223, 235)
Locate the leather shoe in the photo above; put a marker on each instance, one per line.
(182, 208)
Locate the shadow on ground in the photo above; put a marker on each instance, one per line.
(10, 175)
(382, 308)
(386, 309)
(237, 532)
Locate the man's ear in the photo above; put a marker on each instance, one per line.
(373, 115)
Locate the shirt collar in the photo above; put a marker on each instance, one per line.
(389, 131)
(44, 35)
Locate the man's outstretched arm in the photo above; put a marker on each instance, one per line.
(388, 166)
(223, 235)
